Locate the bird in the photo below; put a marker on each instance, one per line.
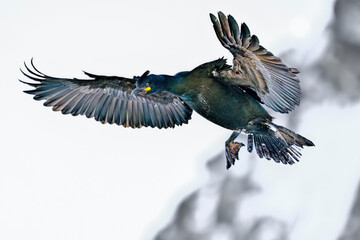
(231, 96)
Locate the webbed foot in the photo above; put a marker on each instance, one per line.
(232, 152)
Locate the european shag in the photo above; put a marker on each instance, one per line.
(229, 96)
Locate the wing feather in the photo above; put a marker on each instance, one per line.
(107, 99)
(277, 85)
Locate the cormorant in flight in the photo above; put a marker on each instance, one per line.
(229, 96)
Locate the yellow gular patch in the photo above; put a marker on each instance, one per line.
(147, 89)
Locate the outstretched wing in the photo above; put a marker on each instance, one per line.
(108, 100)
(256, 68)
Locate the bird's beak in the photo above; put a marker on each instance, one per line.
(140, 91)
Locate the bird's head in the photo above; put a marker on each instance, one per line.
(149, 84)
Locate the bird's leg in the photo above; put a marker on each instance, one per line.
(232, 149)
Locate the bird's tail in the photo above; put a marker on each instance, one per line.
(277, 143)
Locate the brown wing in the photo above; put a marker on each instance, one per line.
(108, 100)
(253, 66)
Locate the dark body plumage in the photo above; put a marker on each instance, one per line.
(229, 96)
(225, 105)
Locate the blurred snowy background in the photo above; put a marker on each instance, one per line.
(72, 178)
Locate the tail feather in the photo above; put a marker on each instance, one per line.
(282, 145)
(293, 138)
(250, 144)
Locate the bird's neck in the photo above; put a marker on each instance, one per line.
(177, 84)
